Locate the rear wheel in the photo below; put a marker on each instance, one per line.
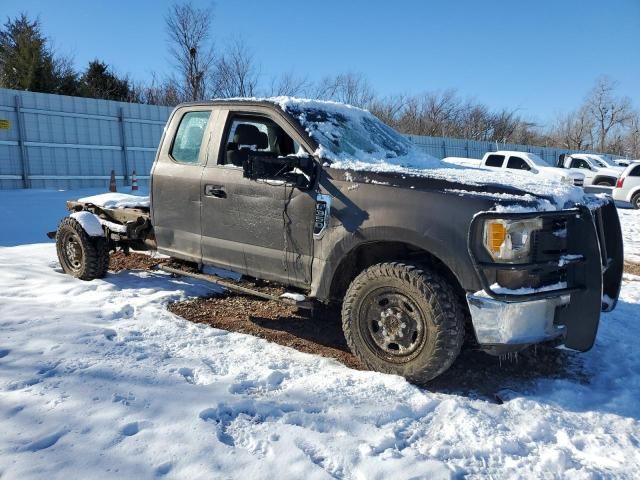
(80, 255)
(403, 320)
(635, 200)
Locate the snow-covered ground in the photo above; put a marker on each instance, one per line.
(99, 380)
(630, 220)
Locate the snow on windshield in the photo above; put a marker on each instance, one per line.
(348, 134)
(537, 160)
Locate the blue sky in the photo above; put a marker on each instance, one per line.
(539, 56)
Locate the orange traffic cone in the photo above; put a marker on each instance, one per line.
(134, 182)
(112, 182)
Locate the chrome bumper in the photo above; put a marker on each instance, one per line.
(514, 323)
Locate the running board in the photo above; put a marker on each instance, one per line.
(236, 288)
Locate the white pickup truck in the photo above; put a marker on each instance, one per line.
(522, 161)
(597, 169)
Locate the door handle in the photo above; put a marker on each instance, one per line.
(215, 191)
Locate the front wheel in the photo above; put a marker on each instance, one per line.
(80, 255)
(404, 320)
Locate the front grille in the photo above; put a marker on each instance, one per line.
(578, 182)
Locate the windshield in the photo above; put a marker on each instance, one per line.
(541, 162)
(346, 133)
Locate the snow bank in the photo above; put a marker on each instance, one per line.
(117, 200)
(109, 384)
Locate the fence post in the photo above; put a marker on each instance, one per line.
(24, 156)
(466, 147)
(444, 149)
(123, 145)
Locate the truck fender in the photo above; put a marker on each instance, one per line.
(89, 223)
(345, 246)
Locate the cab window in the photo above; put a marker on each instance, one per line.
(518, 163)
(635, 172)
(188, 139)
(494, 160)
(256, 136)
(580, 163)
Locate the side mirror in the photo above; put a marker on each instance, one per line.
(271, 167)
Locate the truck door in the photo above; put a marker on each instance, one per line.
(260, 227)
(175, 186)
(582, 166)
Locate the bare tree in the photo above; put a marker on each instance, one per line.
(157, 92)
(189, 30)
(289, 85)
(607, 110)
(632, 137)
(236, 73)
(389, 109)
(573, 130)
(349, 87)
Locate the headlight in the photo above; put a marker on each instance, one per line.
(509, 240)
(567, 180)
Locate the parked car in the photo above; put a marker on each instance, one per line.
(520, 161)
(595, 169)
(628, 185)
(325, 198)
(623, 162)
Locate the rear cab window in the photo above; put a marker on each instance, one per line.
(518, 163)
(494, 161)
(188, 140)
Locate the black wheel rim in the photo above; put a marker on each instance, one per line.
(392, 325)
(72, 251)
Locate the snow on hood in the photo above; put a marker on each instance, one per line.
(117, 200)
(351, 138)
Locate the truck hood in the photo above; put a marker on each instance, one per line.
(613, 172)
(505, 189)
(559, 172)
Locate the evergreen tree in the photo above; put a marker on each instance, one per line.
(99, 81)
(27, 62)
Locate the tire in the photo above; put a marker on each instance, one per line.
(80, 255)
(404, 320)
(635, 201)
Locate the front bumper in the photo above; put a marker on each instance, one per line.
(587, 284)
(515, 324)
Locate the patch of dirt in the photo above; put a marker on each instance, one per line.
(473, 374)
(633, 268)
(318, 332)
(133, 261)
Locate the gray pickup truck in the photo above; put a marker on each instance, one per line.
(325, 199)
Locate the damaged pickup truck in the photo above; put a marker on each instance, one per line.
(328, 201)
